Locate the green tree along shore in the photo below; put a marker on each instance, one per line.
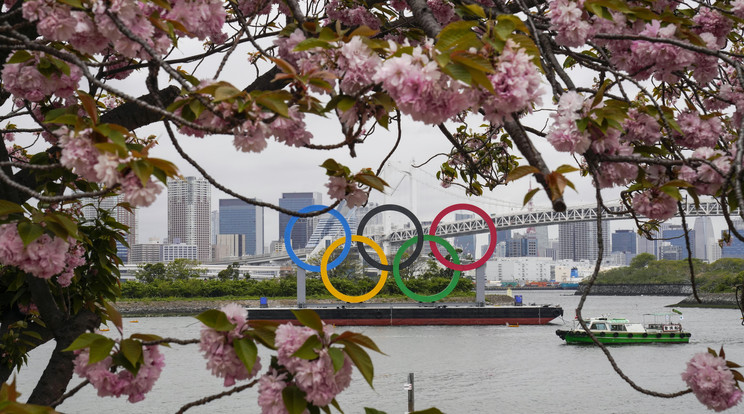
(720, 276)
(282, 287)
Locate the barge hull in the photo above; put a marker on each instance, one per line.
(424, 315)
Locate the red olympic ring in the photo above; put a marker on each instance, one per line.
(491, 228)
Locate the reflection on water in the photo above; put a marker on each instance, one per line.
(463, 369)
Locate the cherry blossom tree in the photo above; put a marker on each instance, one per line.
(644, 98)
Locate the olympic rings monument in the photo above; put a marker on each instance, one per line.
(426, 310)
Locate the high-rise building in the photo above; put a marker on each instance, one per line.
(705, 239)
(238, 217)
(303, 228)
(578, 241)
(734, 248)
(214, 226)
(624, 241)
(120, 214)
(674, 234)
(189, 203)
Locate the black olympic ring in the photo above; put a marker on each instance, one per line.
(416, 224)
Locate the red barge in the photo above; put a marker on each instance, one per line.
(417, 314)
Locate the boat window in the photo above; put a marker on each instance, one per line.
(618, 327)
(599, 327)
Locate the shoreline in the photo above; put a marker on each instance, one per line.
(185, 307)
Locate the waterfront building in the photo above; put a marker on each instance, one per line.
(146, 253)
(674, 234)
(624, 241)
(236, 217)
(644, 245)
(171, 252)
(189, 208)
(120, 214)
(229, 245)
(521, 245)
(578, 241)
(214, 226)
(519, 269)
(303, 228)
(705, 240)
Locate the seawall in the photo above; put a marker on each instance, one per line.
(677, 289)
(710, 300)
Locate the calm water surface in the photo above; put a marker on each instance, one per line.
(462, 369)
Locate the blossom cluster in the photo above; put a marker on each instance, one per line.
(24, 80)
(44, 257)
(111, 383)
(712, 381)
(317, 378)
(218, 348)
(80, 155)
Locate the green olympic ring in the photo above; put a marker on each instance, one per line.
(415, 296)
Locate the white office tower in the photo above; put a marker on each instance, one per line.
(189, 203)
(578, 240)
(706, 245)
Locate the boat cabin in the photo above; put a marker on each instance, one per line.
(614, 325)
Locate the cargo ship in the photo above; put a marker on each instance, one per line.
(405, 314)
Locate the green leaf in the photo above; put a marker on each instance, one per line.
(565, 168)
(9, 207)
(83, 341)
(100, 349)
(132, 350)
(337, 357)
(309, 318)
(89, 104)
(307, 350)
(216, 320)
(311, 43)
(472, 60)
(70, 227)
(148, 338)
(368, 410)
(225, 92)
(456, 33)
(78, 4)
(114, 316)
(29, 231)
(274, 102)
(358, 339)
(672, 192)
(431, 410)
(529, 195)
(520, 172)
(361, 359)
(66, 119)
(294, 400)
(20, 57)
(246, 351)
(371, 180)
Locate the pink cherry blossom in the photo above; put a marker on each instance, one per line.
(25, 81)
(655, 204)
(698, 132)
(316, 378)
(44, 257)
(201, 18)
(218, 347)
(115, 384)
(641, 127)
(356, 16)
(358, 63)
(564, 134)
(516, 82)
(270, 387)
(570, 21)
(712, 381)
(137, 194)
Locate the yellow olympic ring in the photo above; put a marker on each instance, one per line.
(327, 282)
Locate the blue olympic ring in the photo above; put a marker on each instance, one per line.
(288, 236)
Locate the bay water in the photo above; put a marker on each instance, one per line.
(460, 369)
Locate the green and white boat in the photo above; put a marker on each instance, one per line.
(665, 328)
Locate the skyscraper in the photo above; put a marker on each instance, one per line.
(188, 214)
(304, 227)
(238, 217)
(578, 241)
(466, 243)
(705, 240)
(122, 215)
(624, 241)
(674, 234)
